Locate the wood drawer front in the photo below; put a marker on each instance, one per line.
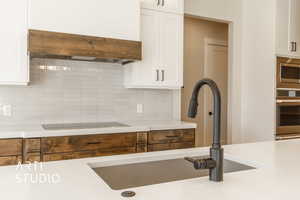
(10, 160)
(32, 145)
(86, 154)
(171, 136)
(10, 147)
(88, 142)
(170, 146)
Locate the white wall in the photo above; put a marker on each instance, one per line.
(252, 63)
(258, 73)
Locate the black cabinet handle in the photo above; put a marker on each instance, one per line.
(163, 3)
(172, 136)
(157, 75)
(163, 75)
(293, 46)
(91, 143)
(158, 2)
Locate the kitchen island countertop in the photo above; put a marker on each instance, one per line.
(276, 177)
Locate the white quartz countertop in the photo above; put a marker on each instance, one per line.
(36, 130)
(276, 177)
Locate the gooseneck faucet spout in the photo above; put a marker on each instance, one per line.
(215, 162)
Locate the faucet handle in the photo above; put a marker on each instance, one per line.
(207, 163)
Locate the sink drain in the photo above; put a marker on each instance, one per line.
(128, 194)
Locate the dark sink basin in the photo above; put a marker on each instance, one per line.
(121, 177)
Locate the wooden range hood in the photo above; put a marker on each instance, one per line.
(45, 44)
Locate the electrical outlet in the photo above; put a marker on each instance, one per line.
(7, 110)
(139, 108)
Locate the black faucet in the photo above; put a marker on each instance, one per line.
(215, 162)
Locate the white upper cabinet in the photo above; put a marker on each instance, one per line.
(295, 26)
(288, 28)
(162, 59)
(144, 73)
(118, 19)
(174, 6)
(14, 68)
(171, 49)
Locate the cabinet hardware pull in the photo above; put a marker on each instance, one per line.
(293, 46)
(163, 3)
(172, 136)
(157, 75)
(91, 143)
(163, 75)
(158, 2)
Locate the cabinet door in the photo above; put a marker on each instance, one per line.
(13, 40)
(295, 26)
(171, 49)
(100, 18)
(282, 27)
(150, 4)
(174, 6)
(144, 73)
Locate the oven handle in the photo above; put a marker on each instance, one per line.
(287, 137)
(288, 101)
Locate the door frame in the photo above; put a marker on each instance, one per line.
(207, 43)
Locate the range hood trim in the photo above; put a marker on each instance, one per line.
(45, 44)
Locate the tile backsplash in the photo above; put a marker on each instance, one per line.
(63, 91)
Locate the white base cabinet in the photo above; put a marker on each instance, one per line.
(14, 67)
(162, 60)
(288, 28)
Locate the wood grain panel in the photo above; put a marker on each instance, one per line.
(61, 45)
(88, 142)
(170, 146)
(86, 154)
(10, 160)
(32, 145)
(31, 157)
(142, 140)
(140, 148)
(10, 147)
(171, 136)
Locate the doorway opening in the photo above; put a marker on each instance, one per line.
(205, 56)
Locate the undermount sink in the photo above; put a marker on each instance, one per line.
(120, 177)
